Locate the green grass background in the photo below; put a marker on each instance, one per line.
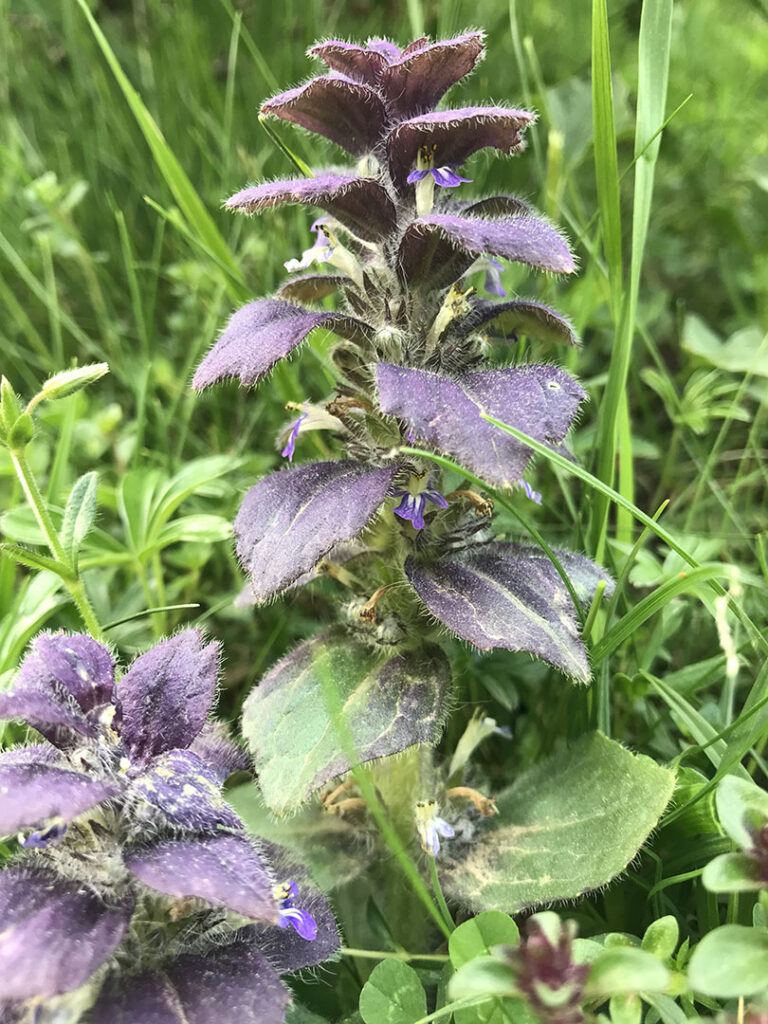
(113, 246)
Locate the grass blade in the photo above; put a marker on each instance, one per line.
(192, 206)
(654, 47)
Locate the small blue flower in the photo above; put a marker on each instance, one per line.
(290, 447)
(412, 505)
(493, 269)
(530, 493)
(301, 921)
(430, 827)
(445, 176)
(40, 839)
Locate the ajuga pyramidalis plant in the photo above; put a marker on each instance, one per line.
(402, 250)
(136, 896)
(416, 272)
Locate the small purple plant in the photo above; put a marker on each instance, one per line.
(546, 973)
(136, 886)
(403, 249)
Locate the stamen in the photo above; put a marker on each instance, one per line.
(485, 804)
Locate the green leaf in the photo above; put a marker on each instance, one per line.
(79, 514)
(568, 825)
(200, 529)
(193, 478)
(393, 995)
(744, 352)
(626, 1008)
(480, 934)
(22, 432)
(733, 872)
(741, 805)
(661, 937)
(389, 703)
(485, 977)
(24, 556)
(625, 969)
(730, 961)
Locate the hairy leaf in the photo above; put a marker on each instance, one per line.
(234, 983)
(346, 112)
(436, 250)
(456, 134)
(223, 870)
(388, 704)
(360, 204)
(505, 320)
(55, 934)
(539, 400)
(292, 519)
(565, 827)
(261, 334)
(510, 596)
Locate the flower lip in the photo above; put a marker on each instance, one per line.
(430, 827)
(290, 447)
(413, 503)
(302, 922)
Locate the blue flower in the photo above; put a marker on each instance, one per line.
(530, 493)
(445, 176)
(300, 920)
(430, 827)
(492, 283)
(425, 164)
(40, 839)
(412, 505)
(290, 446)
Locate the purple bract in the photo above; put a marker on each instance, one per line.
(122, 810)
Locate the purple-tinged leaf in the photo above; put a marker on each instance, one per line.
(54, 713)
(418, 81)
(44, 753)
(234, 984)
(346, 112)
(505, 320)
(54, 934)
(489, 206)
(261, 334)
(436, 250)
(292, 519)
(166, 695)
(222, 870)
(311, 287)
(220, 752)
(456, 134)
(75, 661)
(502, 595)
(358, 62)
(338, 555)
(389, 50)
(185, 789)
(359, 204)
(540, 400)
(30, 794)
(288, 720)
